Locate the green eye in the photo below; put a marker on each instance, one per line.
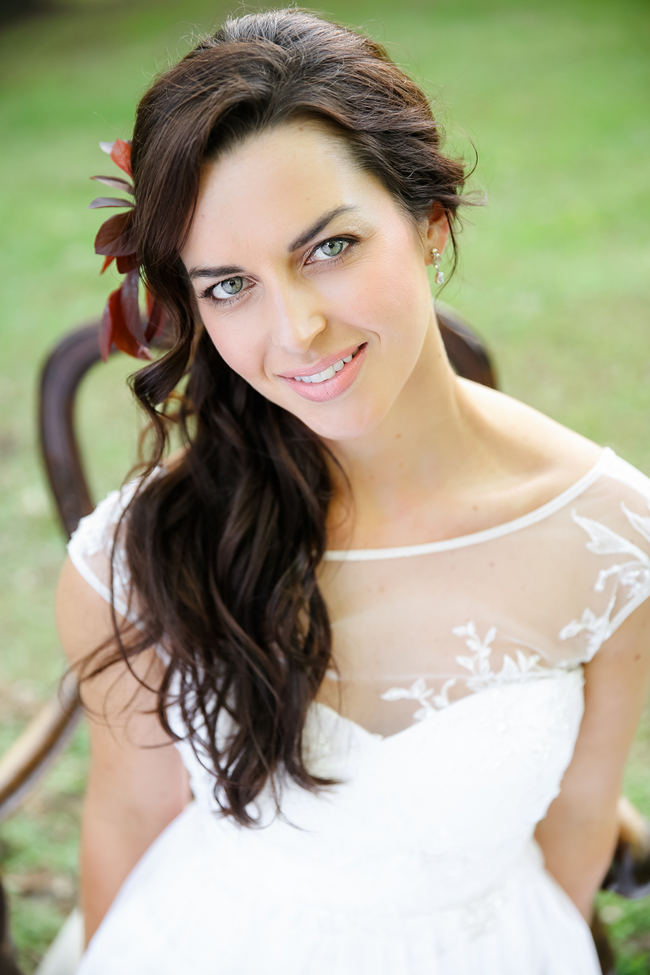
(232, 286)
(224, 291)
(332, 248)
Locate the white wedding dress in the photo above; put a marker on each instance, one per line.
(451, 721)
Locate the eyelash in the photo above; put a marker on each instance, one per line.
(224, 302)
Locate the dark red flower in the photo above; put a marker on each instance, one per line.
(123, 324)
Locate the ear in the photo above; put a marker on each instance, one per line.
(435, 230)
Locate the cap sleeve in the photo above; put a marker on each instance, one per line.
(616, 541)
(90, 548)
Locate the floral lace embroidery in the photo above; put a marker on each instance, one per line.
(478, 915)
(478, 664)
(95, 535)
(418, 691)
(632, 576)
(94, 532)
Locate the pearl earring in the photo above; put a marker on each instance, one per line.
(437, 256)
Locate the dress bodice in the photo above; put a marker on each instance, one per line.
(416, 629)
(448, 719)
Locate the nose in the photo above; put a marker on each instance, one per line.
(298, 317)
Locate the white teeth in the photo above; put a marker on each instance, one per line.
(320, 377)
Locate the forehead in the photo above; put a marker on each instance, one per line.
(276, 182)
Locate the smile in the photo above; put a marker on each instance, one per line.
(321, 377)
(331, 382)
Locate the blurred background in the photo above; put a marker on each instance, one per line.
(554, 274)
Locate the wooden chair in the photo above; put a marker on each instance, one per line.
(68, 363)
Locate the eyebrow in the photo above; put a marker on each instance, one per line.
(304, 238)
(316, 227)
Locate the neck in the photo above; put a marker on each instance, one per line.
(429, 445)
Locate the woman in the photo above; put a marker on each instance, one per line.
(386, 627)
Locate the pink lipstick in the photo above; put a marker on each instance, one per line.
(330, 377)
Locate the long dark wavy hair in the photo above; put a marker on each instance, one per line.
(223, 547)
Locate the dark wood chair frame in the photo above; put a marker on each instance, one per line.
(47, 733)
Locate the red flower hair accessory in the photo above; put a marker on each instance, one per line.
(123, 324)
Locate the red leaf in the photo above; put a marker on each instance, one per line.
(130, 306)
(109, 201)
(114, 330)
(107, 263)
(156, 322)
(126, 264)
(106, 331)
(113, 236)
(115, 182)
(121, 155)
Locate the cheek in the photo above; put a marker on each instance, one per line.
(391, 291)
(242, 356)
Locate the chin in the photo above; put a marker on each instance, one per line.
(345, 419)
(346, 427)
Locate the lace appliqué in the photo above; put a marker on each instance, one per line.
(418, 691)
(631, 578)
(94, 536)
(479, 666)
(477, 916)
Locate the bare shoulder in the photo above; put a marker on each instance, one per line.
(84, 624)
(137, 781)
(542, 457)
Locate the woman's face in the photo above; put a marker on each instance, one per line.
(309, 279)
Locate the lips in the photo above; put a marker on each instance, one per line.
(314, 368)
(329, 383)
(329, 373)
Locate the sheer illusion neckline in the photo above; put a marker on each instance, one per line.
(474, 538)
(454, 708)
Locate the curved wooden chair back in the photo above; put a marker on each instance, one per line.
(61, 374)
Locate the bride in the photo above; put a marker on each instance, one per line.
(363, 660)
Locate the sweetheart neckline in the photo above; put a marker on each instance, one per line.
(553, 673)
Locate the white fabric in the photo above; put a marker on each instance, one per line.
(62, 957)
(451, 717)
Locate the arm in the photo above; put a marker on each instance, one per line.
(133, 791)
(579, 833)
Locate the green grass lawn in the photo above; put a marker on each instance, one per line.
(553, 273)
